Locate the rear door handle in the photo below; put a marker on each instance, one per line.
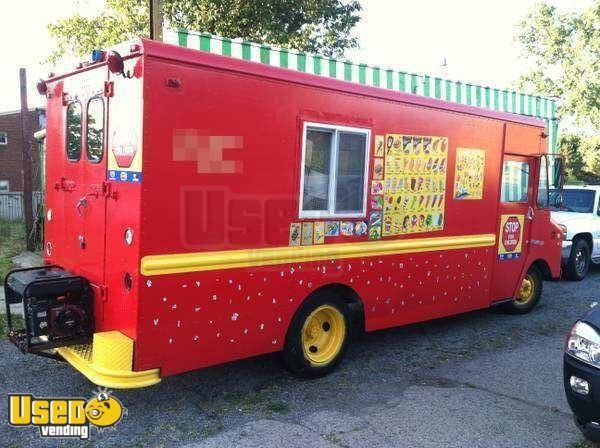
(530, 213)
(81, 204)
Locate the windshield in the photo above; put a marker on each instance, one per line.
(573, 200)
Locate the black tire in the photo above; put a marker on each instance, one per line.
(523, 305)
(578, 264)
(590, 433)
(294, 355)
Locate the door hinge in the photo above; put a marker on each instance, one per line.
(103, 292)
(530, 213)
(109, 89)
(100, 292)
(64, 184)
(108, 192)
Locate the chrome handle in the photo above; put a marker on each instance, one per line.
(80, 204)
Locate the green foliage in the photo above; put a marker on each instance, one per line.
(563, 51)
(582, 157)
(17, 323)
(12, 242)
(79, 35)
(569, 147)
(322, 26)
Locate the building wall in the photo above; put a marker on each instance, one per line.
(10, 153)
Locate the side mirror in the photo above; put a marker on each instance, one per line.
(558, 200)
(558, 178)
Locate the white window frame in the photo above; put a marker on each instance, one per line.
(330, 212)
(2, 183)
(529, 182)
(4, 141)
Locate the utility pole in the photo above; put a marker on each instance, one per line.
(156, 20)
(26, 138)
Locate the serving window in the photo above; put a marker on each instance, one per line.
(334, 171)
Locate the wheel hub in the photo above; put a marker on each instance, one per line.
(527, 289)
(323, 334)
(580, 262)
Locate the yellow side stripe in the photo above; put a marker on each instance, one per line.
(231, 259)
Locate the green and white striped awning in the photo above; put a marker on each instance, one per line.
(420, 84)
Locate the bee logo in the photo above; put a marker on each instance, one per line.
(103, 410)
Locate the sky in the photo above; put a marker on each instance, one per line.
(476, 38)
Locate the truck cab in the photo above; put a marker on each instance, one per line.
(577, 210)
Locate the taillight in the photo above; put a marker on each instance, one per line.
(115, 63)
(42, 88)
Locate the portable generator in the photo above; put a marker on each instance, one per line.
(57, 308)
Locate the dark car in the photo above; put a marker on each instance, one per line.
(582, 374)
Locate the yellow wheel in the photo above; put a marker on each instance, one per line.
(529, 293)
(323, 334)
(317, 336)
(526, 293)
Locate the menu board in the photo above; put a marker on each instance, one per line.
(469, 173)
(414, 184)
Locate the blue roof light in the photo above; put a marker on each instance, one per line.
(97, 56)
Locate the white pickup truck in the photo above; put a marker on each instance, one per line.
(578, 213)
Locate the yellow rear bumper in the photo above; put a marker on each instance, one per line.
(108, 362)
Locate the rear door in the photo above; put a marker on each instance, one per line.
(84, 182)
(516, 213)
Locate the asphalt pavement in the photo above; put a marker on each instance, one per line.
(482, 379)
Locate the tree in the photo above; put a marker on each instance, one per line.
(563, 51)
(323, 26)
(582, 158)
(570, 147)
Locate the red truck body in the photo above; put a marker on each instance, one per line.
(188, 218)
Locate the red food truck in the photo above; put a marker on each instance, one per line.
(202, 209)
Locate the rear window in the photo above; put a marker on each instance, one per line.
(573, 200)
(74, 131)
(95, 130)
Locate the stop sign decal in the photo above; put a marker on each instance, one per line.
(511, 234)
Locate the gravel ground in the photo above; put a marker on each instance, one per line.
(482, 379)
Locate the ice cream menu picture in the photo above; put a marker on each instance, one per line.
(470, 170)
(414, 184)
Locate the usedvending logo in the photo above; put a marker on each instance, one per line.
(66, 417)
